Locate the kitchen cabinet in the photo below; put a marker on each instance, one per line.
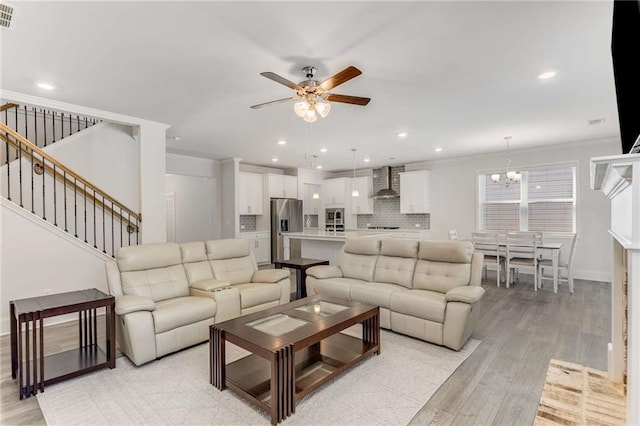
(414, 192)
(334, 192)
(260, 245)
(311, 205)
(362, 204)
(283, 186)
(250, 193)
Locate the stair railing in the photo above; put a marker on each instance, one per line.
(73, 204)
(42, 126)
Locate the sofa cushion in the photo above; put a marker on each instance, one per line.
(193, 251)
(399, 248)
(173, 313)
(440, 276)
(258, 293)
(227, 249)
(358, 266)
(395, 270)
(156, 284)
(238, 270)
(446, 251)
(148, 256)
(339, 288)
(198, 271)
(428, 305)
(374, 293)
(363, 245)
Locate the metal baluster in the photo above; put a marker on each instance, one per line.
(64, 189)
(128, 225)
(55, 210)
(7, 163)
(61, 125)
(16, 127)
(121, 220)
(44, 120)
(70, 125)
(26, 128)
(35, 127)
(104, 249)
(32, 191)
(20, 170)
(44, 208)
(137, 231)
(95, 245)
(53, 125)
(78, 129)
(113, 213)
(75, 207)
(85, 212)
(85, 123)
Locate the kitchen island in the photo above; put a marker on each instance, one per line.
(326, 245)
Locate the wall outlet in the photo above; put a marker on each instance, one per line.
(417, 225)
(46, 291)
(241, 226)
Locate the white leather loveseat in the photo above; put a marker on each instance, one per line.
(168, 294)
(425, 289)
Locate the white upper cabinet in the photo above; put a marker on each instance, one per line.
(283, 186)
(250, 193)
(311, 205)
(363, 203)
(334, 192)
(414, 192)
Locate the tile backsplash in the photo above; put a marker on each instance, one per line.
(387, 211)
(249, 223)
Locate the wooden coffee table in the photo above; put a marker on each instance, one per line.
(295, 348)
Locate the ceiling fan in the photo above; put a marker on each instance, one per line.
(312, 96)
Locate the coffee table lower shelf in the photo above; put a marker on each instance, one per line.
(251, 375)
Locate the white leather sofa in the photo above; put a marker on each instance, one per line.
(168, 294)
(425, 289)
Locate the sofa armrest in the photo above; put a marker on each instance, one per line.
(130, 303)
(270, 275)
(324, 271)
(465, 294)
(209, 285)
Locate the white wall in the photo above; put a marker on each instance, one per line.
(454, 198)
(38, 258)
(195, 184)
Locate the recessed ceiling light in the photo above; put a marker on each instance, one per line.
(323, 149)
(367, 159)
(282, 142)
(438, 149)
(596, 121)
(318, 166)
(274, 159)
(45, 86)
(546, 74)
(402, 134)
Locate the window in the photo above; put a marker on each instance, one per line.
(544, 200)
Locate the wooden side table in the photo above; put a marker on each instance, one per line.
(300, 265)
(28, 362)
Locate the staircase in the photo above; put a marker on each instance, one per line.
(37, 182)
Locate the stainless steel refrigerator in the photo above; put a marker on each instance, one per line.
(286, 216)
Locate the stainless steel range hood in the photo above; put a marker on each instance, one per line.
(387, 192)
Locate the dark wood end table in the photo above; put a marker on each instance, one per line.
(28, 362)
(300, 265)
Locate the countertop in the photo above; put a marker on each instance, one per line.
(333, 236)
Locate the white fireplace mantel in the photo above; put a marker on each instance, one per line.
(618, 177)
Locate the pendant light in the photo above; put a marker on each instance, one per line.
(511, 176)
(355, 192)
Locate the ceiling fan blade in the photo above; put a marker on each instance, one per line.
(342, 77)
(278, 79)
(346, 99)
(266, 104)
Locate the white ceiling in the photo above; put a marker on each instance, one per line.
(456, 75)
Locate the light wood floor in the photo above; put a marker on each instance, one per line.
(500, 383)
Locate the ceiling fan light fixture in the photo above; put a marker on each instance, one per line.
(301, 107)
(322, 107)
(310, 116)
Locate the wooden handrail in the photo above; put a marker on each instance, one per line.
(8, 105)
(63, 169)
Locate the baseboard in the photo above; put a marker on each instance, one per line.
(592, 275)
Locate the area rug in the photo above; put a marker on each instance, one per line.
(387, 389)
(577, 395)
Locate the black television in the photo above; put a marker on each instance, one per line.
(625, 48)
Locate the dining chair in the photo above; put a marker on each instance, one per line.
(564, 265)
(487, 243)
(521, 251)
(453, 234)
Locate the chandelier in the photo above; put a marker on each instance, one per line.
(511, 176)
(310, 105)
